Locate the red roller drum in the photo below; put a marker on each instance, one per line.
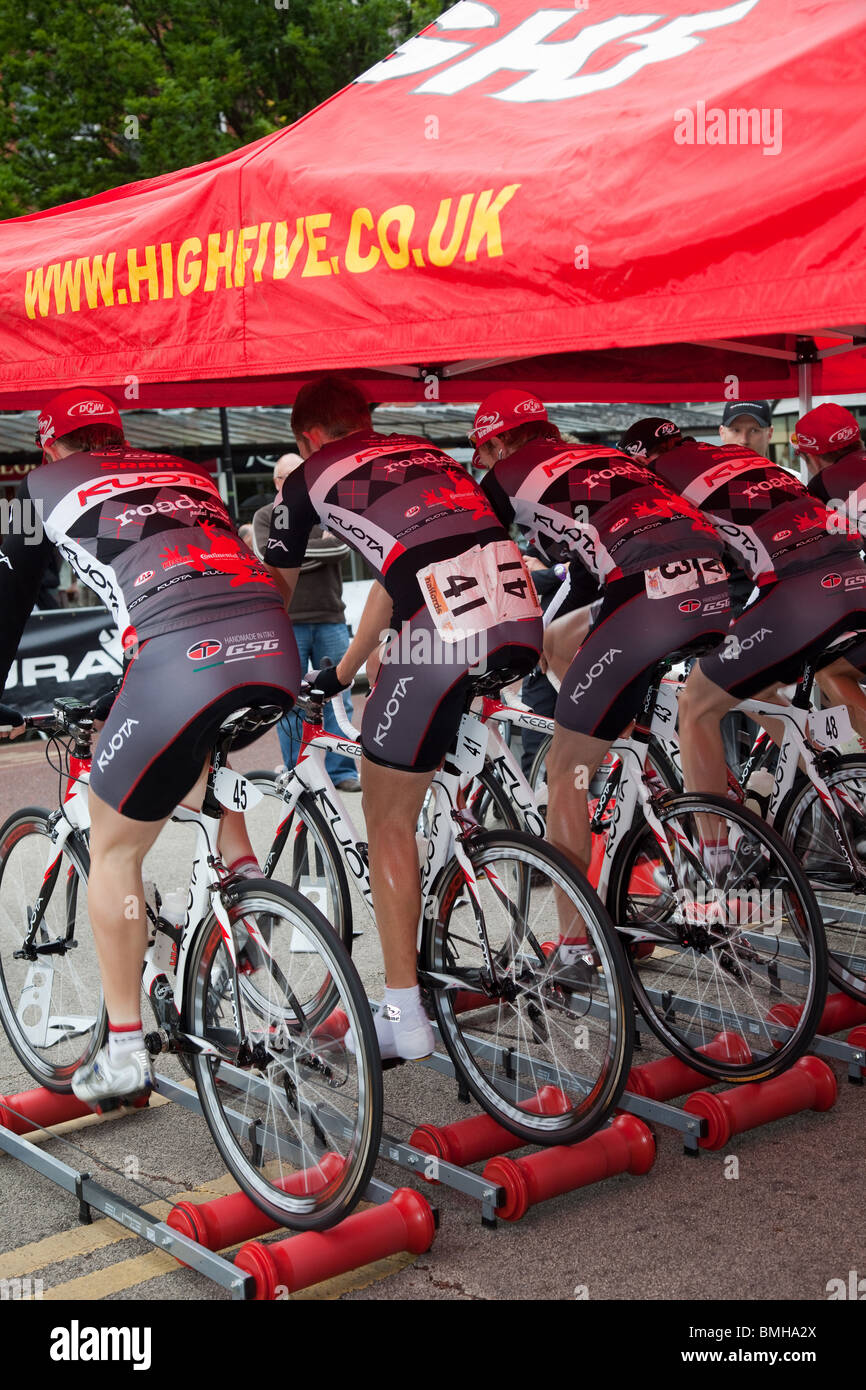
(808, 1085)
(42, 1109)
(669, 1077)
(228, 1220)
(840, 1011)
(468, 1141)
(857, 1038)
(627, 1146)
(404, 1223)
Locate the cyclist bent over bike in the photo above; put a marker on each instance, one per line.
(650, 555)
(449, 585)
(150, 534)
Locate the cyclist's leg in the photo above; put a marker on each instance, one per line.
(563, 638)
(392, 801)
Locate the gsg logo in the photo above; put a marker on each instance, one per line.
(237, 649)
(208, 646)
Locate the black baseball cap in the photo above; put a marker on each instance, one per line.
(649, 436)
(759, 410)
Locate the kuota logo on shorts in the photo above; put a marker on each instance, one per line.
(831, 581)
(391, 709)
(200, 651)
(593, 673)
(115, 743)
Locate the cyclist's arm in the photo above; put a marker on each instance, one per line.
(292, 520)
(375, 619)
(23, 560)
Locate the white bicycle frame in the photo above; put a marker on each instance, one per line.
(203, 897)
(461, 767)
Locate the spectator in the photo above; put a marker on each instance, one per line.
(749, 424)
(319, 620)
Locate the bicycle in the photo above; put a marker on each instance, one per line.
(253, 991)
(815, 797)
(708, 948)
(547, 1056)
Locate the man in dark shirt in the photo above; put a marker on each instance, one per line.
(197, 615)
(828, 437)
(451, 590)
(810, 582)
(319, 622)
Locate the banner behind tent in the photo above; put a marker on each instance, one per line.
(68, 651)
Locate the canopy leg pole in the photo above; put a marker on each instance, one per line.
(804, 375)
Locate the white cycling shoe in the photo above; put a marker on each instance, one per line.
(410, 1040)
(107, 1084)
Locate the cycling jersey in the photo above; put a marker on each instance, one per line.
(764, 513)
(431, 537)
(598, 505)
(842, 486)
(396, 499)
(150, 535)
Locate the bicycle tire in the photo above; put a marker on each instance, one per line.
(73, 979)
(729, 951)
(531, 977)
(842, 946)
(658, 760)
(265, 1084)
(315, 866)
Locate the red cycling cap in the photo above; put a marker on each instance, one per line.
(825, 429)
(504, 410)
(72, 410)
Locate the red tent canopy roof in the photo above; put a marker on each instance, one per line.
(594, 202)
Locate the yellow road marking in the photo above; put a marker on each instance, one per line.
(82, 1240)
(102, 1282)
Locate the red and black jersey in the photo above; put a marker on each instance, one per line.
(598, 505)
(842, 488)
(396, 499)
(765, 514)
(149, 533)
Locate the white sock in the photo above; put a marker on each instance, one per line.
(408, 1001)
(123, 1039)
(716, 856)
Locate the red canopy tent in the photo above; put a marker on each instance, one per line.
(602, 201)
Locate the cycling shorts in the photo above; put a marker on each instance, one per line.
(176, 694)
(632, 631)
(788, 625)
(424, 684)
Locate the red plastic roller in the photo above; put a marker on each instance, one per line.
(229, 1220)
(465, 1001)
(857, 1038)
(42, 1108)
(626, 1147)
(468, 1141)
(670, 1077)
(808, 1085)
(840, 1011)
(404, 1223)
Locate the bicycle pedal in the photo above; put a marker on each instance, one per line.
(111, 1103)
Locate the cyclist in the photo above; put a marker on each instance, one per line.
(828, 437)
(810, 582)
(150, 534)
(652, 556)
(451, 590)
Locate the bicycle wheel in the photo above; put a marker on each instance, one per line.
(546, 1050)
(809, 829)
(296, 1117)
(300, 850)
(489, 802)
(50, 989)
(739, 944)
